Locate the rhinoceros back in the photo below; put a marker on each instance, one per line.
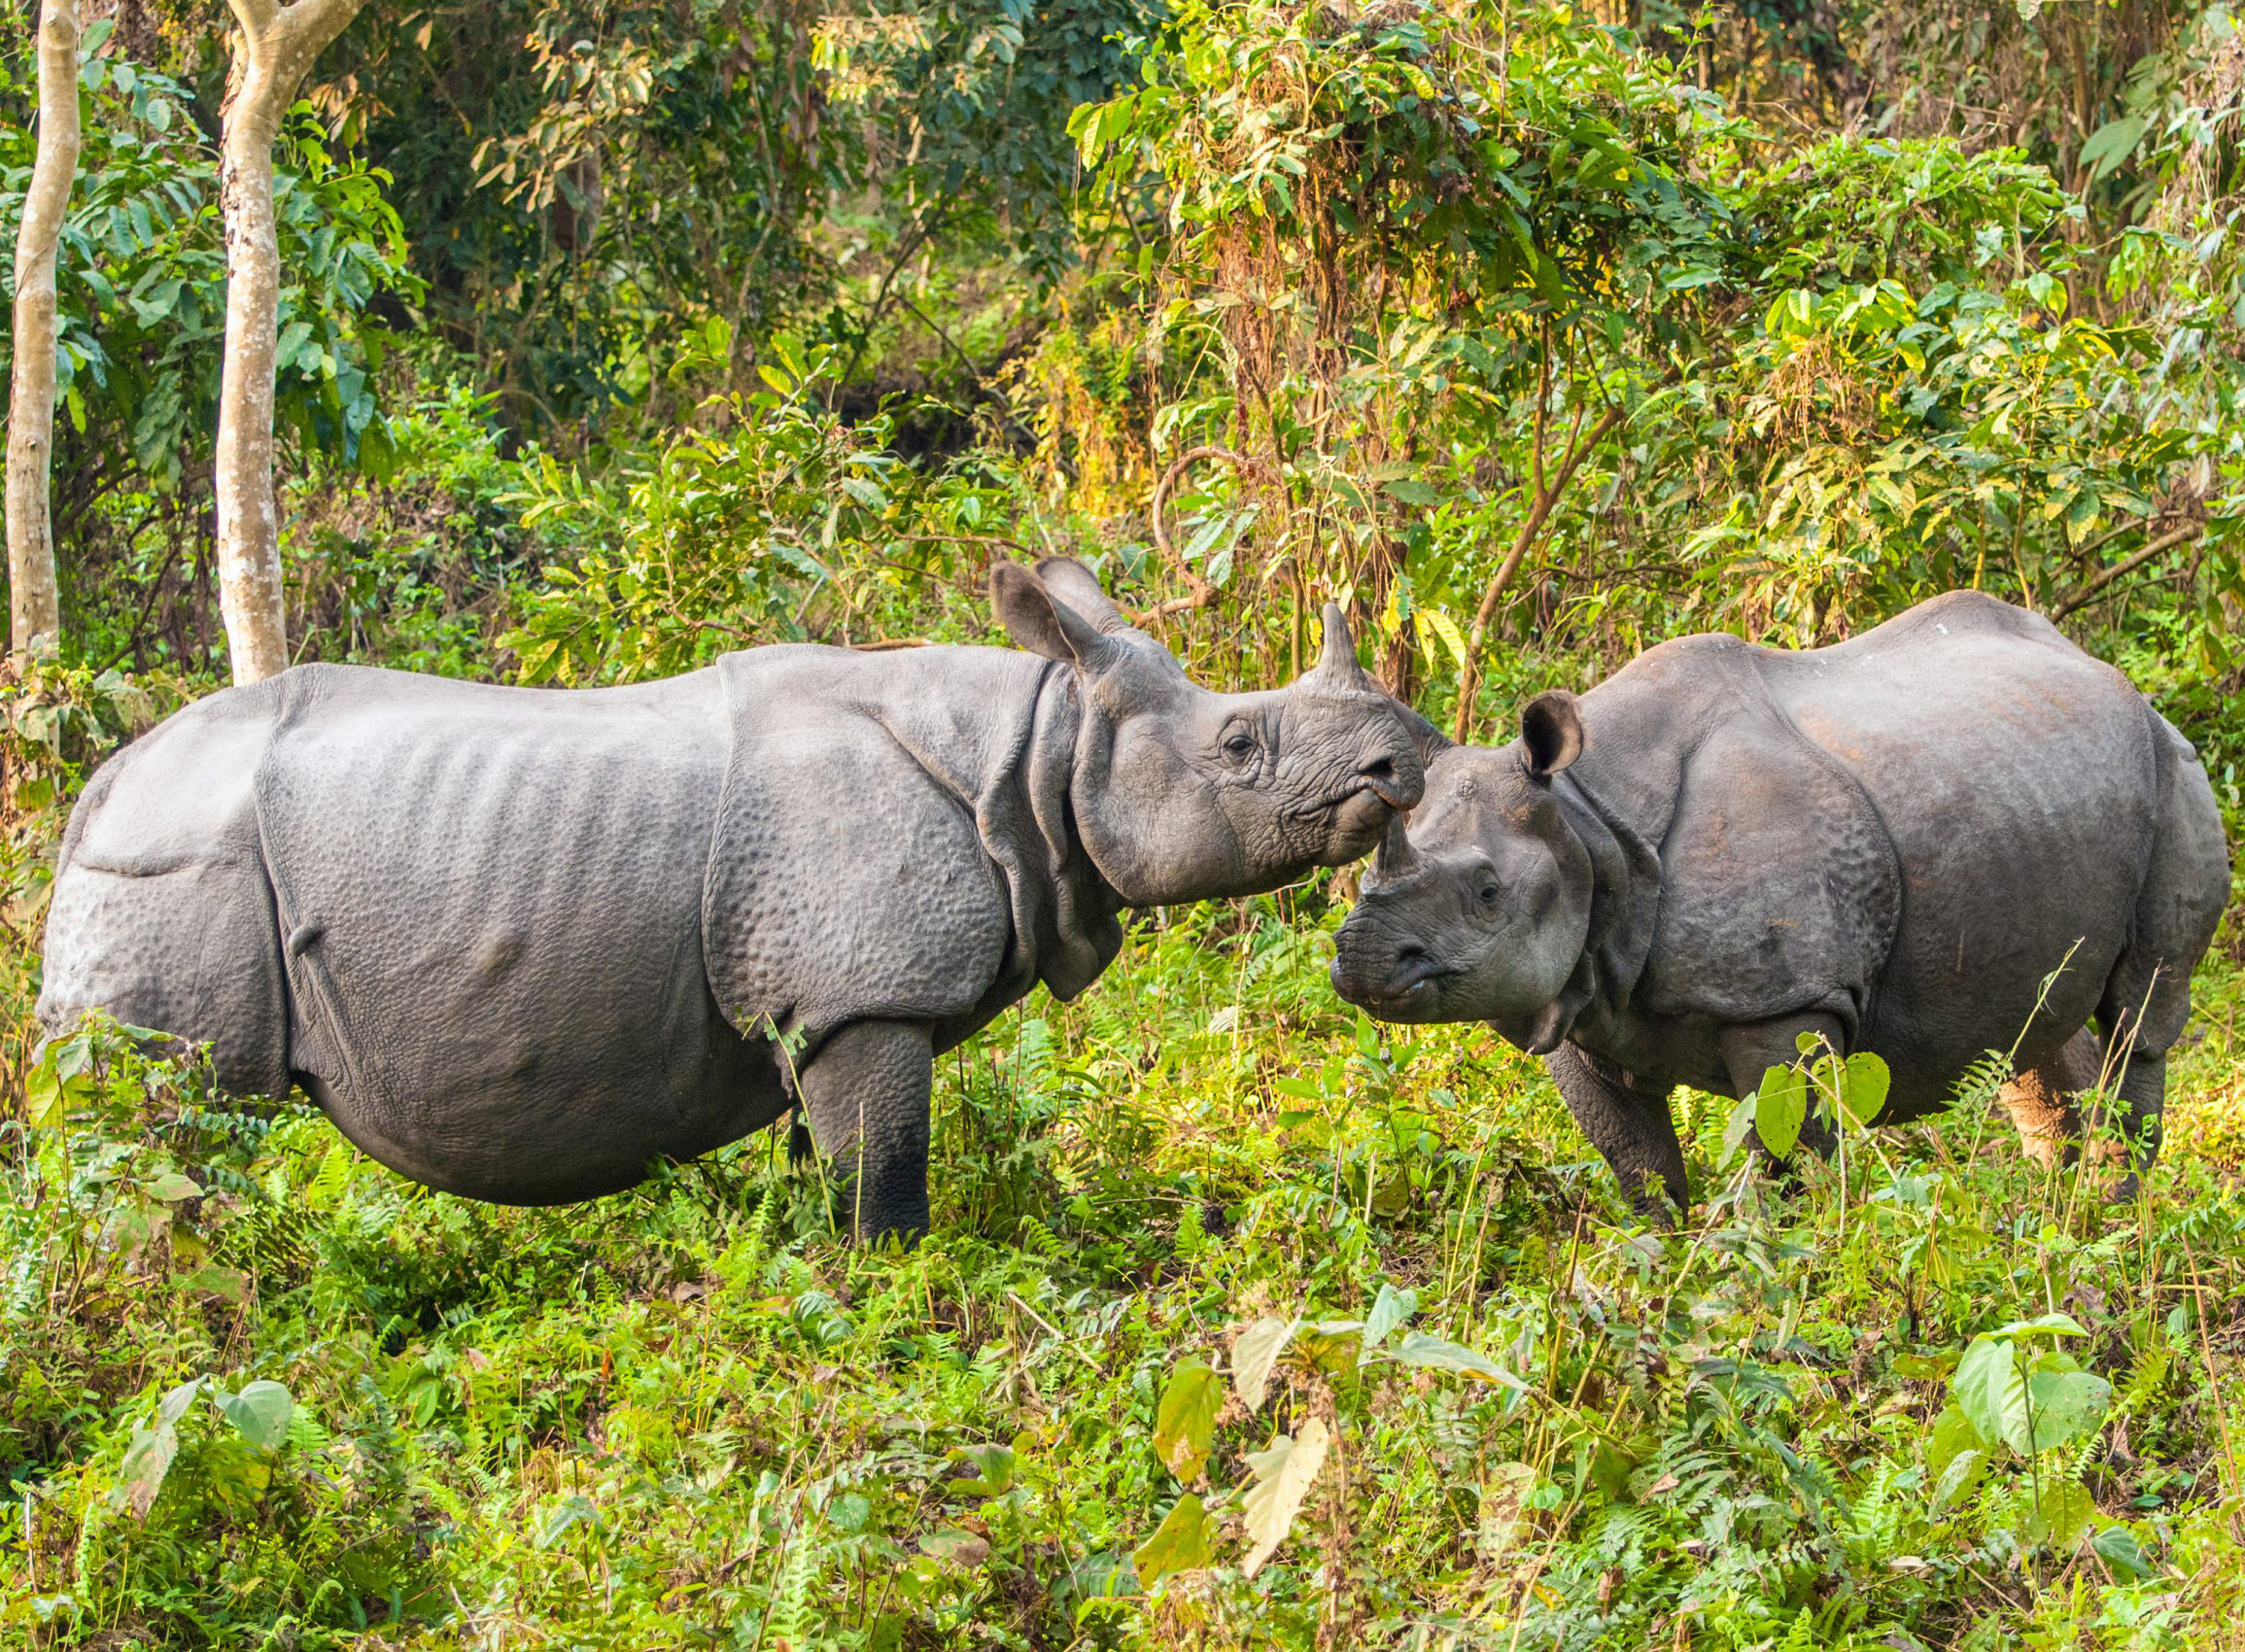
(466, 917)
(161, 911)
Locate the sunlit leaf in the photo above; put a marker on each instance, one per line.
(1780, 1108)
(1283, 1476)
(1439, 1354)
(1253, 1354)
(260, 1411)
(1184, 1423)
(1184, 1541)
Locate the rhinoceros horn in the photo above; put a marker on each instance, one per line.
(1338, 664)
(1395, 856)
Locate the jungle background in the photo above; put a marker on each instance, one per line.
(617, 334)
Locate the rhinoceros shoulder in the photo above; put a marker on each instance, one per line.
(847, 874)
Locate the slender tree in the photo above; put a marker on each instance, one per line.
(274, 49)
(34, 614)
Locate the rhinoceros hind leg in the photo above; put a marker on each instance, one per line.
(867, 1090)
(2043, 1101)
(1631, 1128)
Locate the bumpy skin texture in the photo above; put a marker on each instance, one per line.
(1889, 843)
(520, 943)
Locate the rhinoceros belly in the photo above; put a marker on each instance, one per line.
(489, 906)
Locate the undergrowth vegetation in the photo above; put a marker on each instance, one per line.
(1243, 1323)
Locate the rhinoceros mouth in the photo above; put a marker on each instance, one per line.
(1412, 991)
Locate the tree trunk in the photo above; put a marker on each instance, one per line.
(34, 614)
(273, 51)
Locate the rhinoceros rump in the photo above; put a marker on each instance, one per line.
(1891, 843)
(521, 942)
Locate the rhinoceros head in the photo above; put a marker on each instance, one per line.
(1181, 794)
(1481, 909)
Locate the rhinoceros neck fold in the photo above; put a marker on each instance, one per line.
(1015, 772)
(1624, 903)
(893, 840)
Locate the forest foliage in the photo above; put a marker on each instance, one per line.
(619, 333)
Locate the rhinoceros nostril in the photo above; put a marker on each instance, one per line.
(1378, 777)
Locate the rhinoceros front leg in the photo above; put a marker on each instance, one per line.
(866, 1091)
(1752, 1049)
(1632, 1130)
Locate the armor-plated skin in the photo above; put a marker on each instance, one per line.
(1891, 843)
(519, 944)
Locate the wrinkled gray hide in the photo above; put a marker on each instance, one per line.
(1890, 841)
(519, 944)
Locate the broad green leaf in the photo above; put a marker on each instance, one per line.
(1390, 1309)
(1184, 1541)
(1333, 1346)
(1439, 1354)
(1990, 1390)
(993, 1471)
(1253, 1354)
(1185, 1423)
(174, 1404)
(260, 1411)
(1953, 1433)
(864, 493)
(1863, 1085)
(1781, 1107)
(170, 1186)
(2061, 1517)
(2117, 1547)
(2108, 147)
(1283, 1476)
(1959, 1476)
(2065, 1404)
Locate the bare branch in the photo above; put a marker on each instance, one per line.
(1540, 507)
(1203, 593)
(2128, 564)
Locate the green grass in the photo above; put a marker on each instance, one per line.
(687, 1417)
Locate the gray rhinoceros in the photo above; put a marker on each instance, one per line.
(1889, 843)
(519, 944)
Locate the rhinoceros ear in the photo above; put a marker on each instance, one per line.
(1041, 623)
(1551, 728)
(1079, 587)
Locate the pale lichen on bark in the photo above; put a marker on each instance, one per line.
(34, 613)
(275, 45)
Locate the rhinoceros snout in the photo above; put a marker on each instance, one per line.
(1394, 982)
(1400, 787)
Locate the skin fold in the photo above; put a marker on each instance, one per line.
(521, 943)
(1891, 843)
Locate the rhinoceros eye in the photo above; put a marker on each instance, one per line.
(1488, 894)
(1238, 745)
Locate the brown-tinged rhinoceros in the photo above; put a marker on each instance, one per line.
(1890, 843)
(519, 943)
